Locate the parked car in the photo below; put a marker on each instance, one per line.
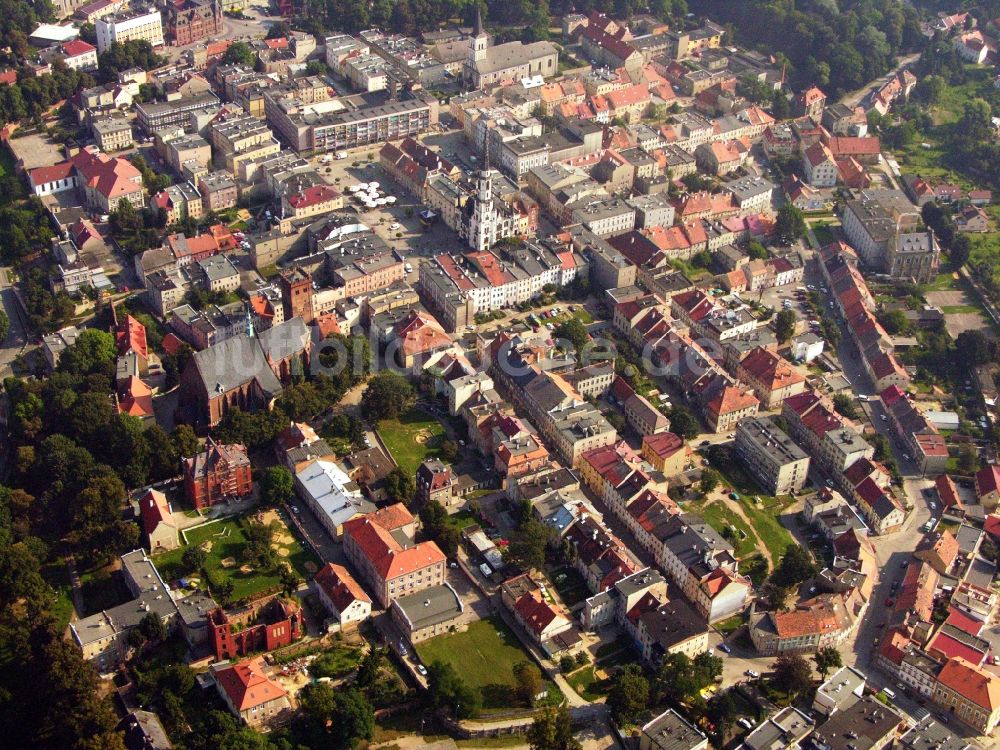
(422, 669)
(752, 674)
(725, 649)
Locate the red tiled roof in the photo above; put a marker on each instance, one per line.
(154, 510)
(247, 686)
(312, 196)
(77, 47)
(535, 613)
(971, 682)
(731, 399)
(131, 336)
(988, 480)
(340, 586)
(389, 558)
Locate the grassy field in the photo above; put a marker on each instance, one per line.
(224, 542)
(720, 517)
(57, 576)
(412, 438)
(730, 624)
(764, 518)
(461, 519)
(484, 655)
(587, 686)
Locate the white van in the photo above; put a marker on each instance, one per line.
(341, 154)
(889, 694)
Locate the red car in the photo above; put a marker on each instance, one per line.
(889, 601)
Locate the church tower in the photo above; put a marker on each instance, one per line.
(480, 39)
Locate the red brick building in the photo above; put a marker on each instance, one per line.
(217, 474)
(279, 623)
(187, 21)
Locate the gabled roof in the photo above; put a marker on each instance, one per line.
(154, 510)
(535, 612)
(340, 586)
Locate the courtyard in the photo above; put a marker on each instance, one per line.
(225, 542)
(411, 439)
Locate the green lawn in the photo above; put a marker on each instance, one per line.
(484, 656)
(412, 438)
(57, 576)
(225, 540)
(720, 518)
(337, 662)
(765, 522)
(729, 625)
(587, 686)
(461, 519)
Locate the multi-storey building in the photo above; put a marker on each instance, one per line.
(139, 24)
(389, 567)
(217, 474)
(190, 21)
(969, 692)
(775, 461)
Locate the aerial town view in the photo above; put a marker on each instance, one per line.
(555, 375)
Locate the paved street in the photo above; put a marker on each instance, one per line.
(16, 341)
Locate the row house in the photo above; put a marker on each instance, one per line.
(412, 164)
(640, 414)
(923, 441)
(601, 558)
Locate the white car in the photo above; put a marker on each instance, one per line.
(394, 226)
(422, 669)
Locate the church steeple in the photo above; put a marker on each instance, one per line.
(480, 39)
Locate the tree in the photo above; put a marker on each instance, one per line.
(784, 325)
(4, 326)
(528, 544)
(92, 351)
(844, 405)
(684, 423)
(795, 566)
(552, 729)
(446, 689)
(792, 674)
(353, 717)
(709, 480)
(895, 322)
(972, 348)
(387, 396)
(629, 696)
(277, 486)
(449, 451)
(975, 122)
(240, 53)
(400, 486)
(369, 667)
(185, 441)
(529, 681)
(757, 251)
(791, 224)
(958, 254)
(574, 331)
(968, 459)
(567, 663)
(279, 30)
(827, 658)
(152, 627)
(194, 558)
